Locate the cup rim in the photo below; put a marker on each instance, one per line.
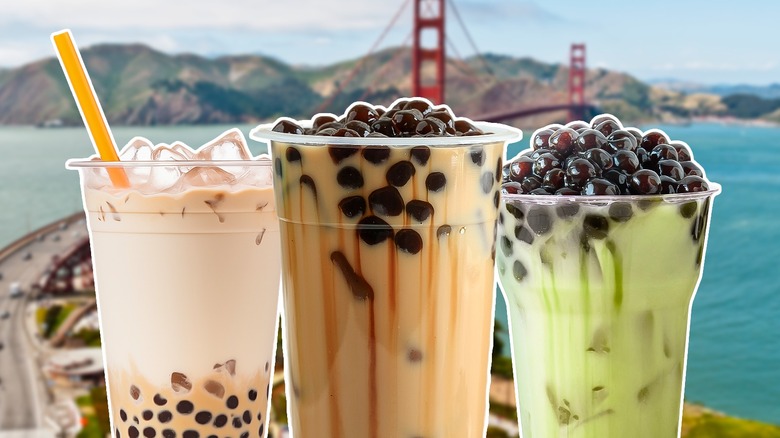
(88, 163)
(715, 189)
(498, 133)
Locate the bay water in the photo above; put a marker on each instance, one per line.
(734, 355)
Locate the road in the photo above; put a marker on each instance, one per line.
(23, 395)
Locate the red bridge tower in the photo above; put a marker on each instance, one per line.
(577, 82)
(429, 18)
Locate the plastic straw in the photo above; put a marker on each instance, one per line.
(88, 104)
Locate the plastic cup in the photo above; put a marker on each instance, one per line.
(387, 256)
(599, 291)
(187, 287)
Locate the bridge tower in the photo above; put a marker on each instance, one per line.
(429, 22)
(577, 82)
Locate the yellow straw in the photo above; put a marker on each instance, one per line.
(88, 104)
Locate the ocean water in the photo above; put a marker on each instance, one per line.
(734, 356)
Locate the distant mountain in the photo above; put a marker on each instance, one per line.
(138, 85)
(771, 91)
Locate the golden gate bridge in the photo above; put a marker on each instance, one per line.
(429, 55)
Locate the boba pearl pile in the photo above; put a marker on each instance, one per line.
(603, 158)
(405, 118)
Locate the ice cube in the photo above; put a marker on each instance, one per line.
(229, 146)
(166, 153)
(205, 176)
(137, 149)
(183, 149)
(162, 178)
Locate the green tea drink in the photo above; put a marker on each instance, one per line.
(388, 271)
(599, 284)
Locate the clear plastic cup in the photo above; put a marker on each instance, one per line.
(599, 291)
(388, 274)
(187, 287)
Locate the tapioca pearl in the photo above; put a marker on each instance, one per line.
(688, 209)
(443, 231)
(135, 420)
(419, 210)
(477, 154)
(190, 434)
(376, 154)
(117, 434)
(164, 416)
(168, 433)
(252, 395)
(232, 402)
(245, 435)
(237, 423)
(487, 182)
(349, 178)
(135, 393)
(506, 246)
(203, 417)
(697, 228)
(386, 201)
(519, 271)
(435, 182)
(499, 169)
(220, 420)
(261, 430)
(501, 217)
(539, 220)
(515, 211)
(341, 153)
(278, 166)
(132, 432)
(147, 415)
(496, 198)
(259, 416)
(523, 234)
(123, 415)
(149, 432)
(420, 154)
(353, 206)
(408, 241)
(267, 365)
(214, 388)
(247, 417)
(180, 383)
(567, 211)
(595, 226)
(400, 173)
(185, 407)
(414, 355)
(213, 436)
(620, 211)
(308, 181)
(159, 400)
(362, 128)
(292, 154)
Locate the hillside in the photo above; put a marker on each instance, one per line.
(142, 86)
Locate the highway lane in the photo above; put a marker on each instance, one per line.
(23, 395)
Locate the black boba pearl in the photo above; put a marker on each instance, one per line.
(599, 157)
(386, 201)
(688, 209)
(539, 220)
(541, 138)
(147, 415)
(408, 241)
(260, 431)
(653, 138)
(362, 128)
(617, 178)
(321, 120)
(563, 141)
(590, 139)
(567, 210)
(519, 271)
(184, 407)
(244, 435)
(636, 132)
(523, 234)
(419, 210)
(622, 140)
(521, 168)
(446, 118)
(544, 163)
(232, 402)
(373, 230)
(278, 166)
(644, 158)
(328, 132)
(577, 125)
(691, 184)
(620, 211)
(376, 154)
(607, 127)
(513, 188)
(531, 183)
(361, 112)
(117, 434)
(340, 153)
(683, 150)
(160, 400)
(567, 191)
(539, 152)
(644, 182)
(168, 433)
(496, 198)
(601, 118)
(595, 226)
(668, 185)
(287, 127)
(477, 154)
(247, 417)
(671, 168)
(349, 178)
(579, 172)
(663, 152)
(375, 135)
(553, 180)
(334, 125)
(190, 434)
(252, 393)
(540, 191)
(627, 161)
(400, 173)
(691, 169)
(420, 154)
(499, 169)
(406, 121)
(123, 415)
(149, 432)
(420, 105)
(308, 181)
(220, 420)
(203, 417)
(132, 432)
(435, 182)
(385, 126)
(164, 416)
(237, 423)
(506, 246)
(465, 127)
(430, 128)
(346, 132)
(599, 187)
(487, 182)
(515, 211)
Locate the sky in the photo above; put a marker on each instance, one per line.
(708, 42)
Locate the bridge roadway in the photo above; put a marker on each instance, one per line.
(24, 399)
